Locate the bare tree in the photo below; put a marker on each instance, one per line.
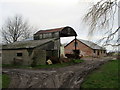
(14, 29)
(101, 17)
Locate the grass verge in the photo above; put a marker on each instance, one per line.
(105, 77)
(72, 62)
(5, 81)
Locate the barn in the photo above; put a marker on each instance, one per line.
(46, 43)
(85, 48)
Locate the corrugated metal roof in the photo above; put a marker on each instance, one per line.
(26, 44)
(91, 44)
(50, 30)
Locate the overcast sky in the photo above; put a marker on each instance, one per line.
(48, 14)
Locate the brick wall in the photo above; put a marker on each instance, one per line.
(84, 50)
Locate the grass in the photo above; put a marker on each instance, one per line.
(105, 77)
(53, 65)
(75, 61)
(4, 81)
(0, 81)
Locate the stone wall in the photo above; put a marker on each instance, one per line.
(29, 56)
(39, 56)
(8, 56)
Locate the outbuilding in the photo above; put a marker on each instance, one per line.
(85, 48)
(27, 52)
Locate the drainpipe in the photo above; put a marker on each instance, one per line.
(75, 44)
(59, 46)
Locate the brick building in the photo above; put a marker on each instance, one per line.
(86, 48)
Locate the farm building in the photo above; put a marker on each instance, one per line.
(46, 44)
(56, 33)
(86, 48)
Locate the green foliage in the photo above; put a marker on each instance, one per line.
(5, 80)
(105, 77)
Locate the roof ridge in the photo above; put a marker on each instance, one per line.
(93, 45)
(51, 30)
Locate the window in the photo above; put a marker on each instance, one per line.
(40, 36)
(44, 35)
(49, 35)
(104, 51)
(36, 37)
(56, 34)
(0, 54)
(76, 51)
(98, 53)
(19, 54)
(68, 30)
(76, 43)
(94, 51)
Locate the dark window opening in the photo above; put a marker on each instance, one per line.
(76, 51)
(104, 51)
(76, 43)
(94, 50)
(98, 53)
(68, 30)
(0, 54)
(19, 54)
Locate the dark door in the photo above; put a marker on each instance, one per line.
(98, 53)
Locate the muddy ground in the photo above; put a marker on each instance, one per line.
(65, 77)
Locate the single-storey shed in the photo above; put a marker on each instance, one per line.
(27, 52)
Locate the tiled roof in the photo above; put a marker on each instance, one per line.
(91, 44)
(26, 44)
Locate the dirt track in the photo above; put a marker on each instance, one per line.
(67, 77)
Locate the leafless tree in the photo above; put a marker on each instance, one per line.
(15, 29)
(101, 17)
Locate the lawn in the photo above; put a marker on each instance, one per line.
(105, 77)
